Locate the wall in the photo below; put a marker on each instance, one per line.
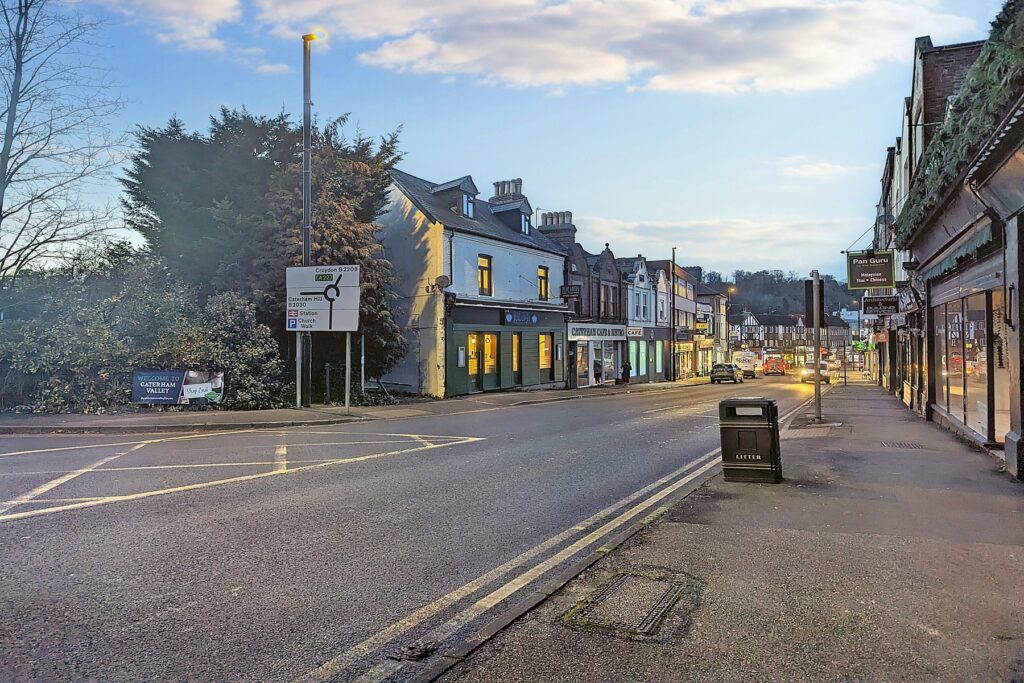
(414, 246)
(513, 269)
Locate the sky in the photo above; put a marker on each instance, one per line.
(749, 134)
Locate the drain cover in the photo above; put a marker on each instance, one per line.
(413, 653)
(632, 603)
(904, 444)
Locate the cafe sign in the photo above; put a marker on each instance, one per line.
(870, 269)
(585, 331)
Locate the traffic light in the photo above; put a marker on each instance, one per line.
(809, 303)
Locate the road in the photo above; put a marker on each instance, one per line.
(315, 554)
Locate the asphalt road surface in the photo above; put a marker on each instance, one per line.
(341, 553)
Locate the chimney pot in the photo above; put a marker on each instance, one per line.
(568, 216)
(519, 185)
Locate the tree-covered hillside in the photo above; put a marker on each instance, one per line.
(772, 291)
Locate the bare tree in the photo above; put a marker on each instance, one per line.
(57, 146)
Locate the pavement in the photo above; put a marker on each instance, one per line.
(891, 551)
(366, 550)
(185, 420)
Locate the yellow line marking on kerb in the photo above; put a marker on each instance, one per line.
(333, 667)
(209, 484)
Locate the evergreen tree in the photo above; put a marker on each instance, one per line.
(223, 210)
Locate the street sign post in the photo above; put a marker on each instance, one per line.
(880, 305)
(324, 299)
(870, 269)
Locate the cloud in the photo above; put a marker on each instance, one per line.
(191, 24)
(705, 46)
(273, 69)
(726, 244)
(818, 170)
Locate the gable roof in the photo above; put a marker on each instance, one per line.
(484, 224)
(776, 319)
(464, 183)
(704, 290)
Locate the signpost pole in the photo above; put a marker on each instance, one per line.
(298, 370)
(305, 367)
(817, 345)
(362, 362)
(348, 372)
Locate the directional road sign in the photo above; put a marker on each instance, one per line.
(323, 299)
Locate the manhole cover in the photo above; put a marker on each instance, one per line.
(632, 603)
(904, 444)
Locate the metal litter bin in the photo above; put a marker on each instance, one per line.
(750, 440)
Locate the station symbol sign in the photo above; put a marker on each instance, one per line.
(323, 299)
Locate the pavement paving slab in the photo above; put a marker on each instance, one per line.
(867, 563)
(161, 421)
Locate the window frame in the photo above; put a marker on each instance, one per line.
(468, 205)
(481, 269)
(524, 223)
(543, 283)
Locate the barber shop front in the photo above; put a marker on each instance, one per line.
(597, 352)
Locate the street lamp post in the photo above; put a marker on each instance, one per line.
(304, 349)
(675, 362)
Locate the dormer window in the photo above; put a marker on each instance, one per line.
(525, 223)
(468, 205)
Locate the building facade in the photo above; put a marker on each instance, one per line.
(682, 320)
(478, 289)
(596, 323)
(647, 338)
(953, 351)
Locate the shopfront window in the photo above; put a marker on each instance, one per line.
(955, 351)
(490, 354)
(1000, 372)
(609, 360)
(582, 363)
(633, 359)
(976, 363)
(643, 357)
(659, 353)
(941, 362)
(598, 362)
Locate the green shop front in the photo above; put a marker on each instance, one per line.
(491, 349)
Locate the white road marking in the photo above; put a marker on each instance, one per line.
(281, 458)
(334, 666)
(143, 442)
(63, 479)
(202, 485)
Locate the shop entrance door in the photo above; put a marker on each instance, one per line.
(473, 363)
(490, 361)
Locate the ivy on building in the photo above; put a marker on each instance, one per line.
(992, 85)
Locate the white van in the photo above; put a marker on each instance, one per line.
(747, 362)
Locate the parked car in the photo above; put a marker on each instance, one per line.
(725, 371)
(807, 372)
(774, 366)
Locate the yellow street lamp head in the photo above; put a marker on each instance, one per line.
(318, 34)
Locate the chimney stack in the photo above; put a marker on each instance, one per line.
(507, 191)
(558, 227)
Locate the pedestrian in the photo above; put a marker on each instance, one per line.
(626, 369)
